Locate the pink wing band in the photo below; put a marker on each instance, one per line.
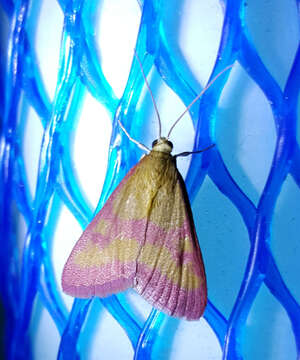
(131, 229)
(169, 297)
(107, 289)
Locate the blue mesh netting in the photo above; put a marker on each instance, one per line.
(25, 276)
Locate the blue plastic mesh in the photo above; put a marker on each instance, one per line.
(23, 278)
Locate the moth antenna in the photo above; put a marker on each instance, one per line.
(186, 153)
(198, 97)
(140, 145)
(151, 94)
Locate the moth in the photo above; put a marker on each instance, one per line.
(144, 238)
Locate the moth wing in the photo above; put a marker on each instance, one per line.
(103, 261)
(143, 237)
(170, 270)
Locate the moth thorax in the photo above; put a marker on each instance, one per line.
(162, 145)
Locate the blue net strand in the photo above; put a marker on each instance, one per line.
(30, 275)
(9, 256)
(144, 347)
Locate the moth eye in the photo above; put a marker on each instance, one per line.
(162, 141)
(154, 143)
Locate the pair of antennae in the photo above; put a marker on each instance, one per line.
(144, 147)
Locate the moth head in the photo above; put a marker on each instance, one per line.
(162, 144)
